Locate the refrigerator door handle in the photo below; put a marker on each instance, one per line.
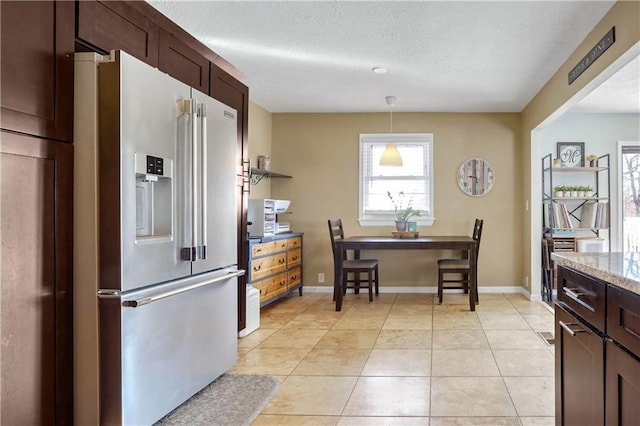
(189, 253)
(150, 299)
(203, 176)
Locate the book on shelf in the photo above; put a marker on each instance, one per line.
(594, 215)
(559, 216)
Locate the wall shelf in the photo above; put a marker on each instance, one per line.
(258, 174)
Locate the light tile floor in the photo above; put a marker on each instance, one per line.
(404, 360)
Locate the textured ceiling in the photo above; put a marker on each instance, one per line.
(450, 56)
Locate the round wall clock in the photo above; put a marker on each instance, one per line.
(476, 177)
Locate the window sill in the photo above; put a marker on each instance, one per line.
(368, 222)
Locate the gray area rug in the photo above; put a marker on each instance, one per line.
(232, 399)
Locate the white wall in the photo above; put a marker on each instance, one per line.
(600, 133)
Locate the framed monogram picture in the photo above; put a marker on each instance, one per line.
(571, 154)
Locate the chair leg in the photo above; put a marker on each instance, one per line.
(370, 276)
(377, 281)
(465, 277)
(440, 284)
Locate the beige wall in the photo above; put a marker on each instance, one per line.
(625, 16)
(320, 151)
(259, 144)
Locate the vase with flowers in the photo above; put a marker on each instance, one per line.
(403, 210)
(592, 159)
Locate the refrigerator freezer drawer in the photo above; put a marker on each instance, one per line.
(158, 354)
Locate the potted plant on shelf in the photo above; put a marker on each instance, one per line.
(402, 212)
(574, 191)
(592, 160)
(588, 191)
(581, 190)
(558, 191)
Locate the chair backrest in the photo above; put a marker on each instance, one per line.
(477, 234)
(336, 233)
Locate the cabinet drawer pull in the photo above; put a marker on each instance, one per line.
(569, 330)
(257, 268)
(573, 293)
(258, 250)
(281, 261)
(294, 258)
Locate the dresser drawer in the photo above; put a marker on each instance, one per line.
(268, 265)
(272, 286)
(293, 243)
(264, 249)
(293, 277)
(623, 318)
(294, 257)
(584, 295)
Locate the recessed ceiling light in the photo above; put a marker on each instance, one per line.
(379, 70)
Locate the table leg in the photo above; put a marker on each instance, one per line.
(473, 279)
(337, 283)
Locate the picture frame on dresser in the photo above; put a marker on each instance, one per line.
(571, 154)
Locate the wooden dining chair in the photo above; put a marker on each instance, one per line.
(459, 267)
(353, 267)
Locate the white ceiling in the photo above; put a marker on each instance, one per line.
(447, 56)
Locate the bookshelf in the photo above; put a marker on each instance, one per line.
(574, 213)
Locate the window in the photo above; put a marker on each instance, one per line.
(414, 178)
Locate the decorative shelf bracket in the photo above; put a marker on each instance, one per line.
(258, 174)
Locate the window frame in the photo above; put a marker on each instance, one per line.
(388, 219)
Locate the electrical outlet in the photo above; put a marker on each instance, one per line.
(320, 277)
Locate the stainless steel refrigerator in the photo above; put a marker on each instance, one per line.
(167, 235)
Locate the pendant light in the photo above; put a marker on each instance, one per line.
(391, 155)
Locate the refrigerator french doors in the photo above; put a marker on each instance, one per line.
(166, 225)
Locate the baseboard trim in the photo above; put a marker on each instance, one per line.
(430, 290)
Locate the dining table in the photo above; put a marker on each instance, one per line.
(465, 244)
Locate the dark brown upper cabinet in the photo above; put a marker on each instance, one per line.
(182, 62)
(37, 68)
(230, 91)
(109, 25)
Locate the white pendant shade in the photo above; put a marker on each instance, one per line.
(391, 156)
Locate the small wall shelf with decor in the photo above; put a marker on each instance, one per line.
(575, 199)
(258, 174)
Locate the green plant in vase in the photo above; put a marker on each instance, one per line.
(403, 211)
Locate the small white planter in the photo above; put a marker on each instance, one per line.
(574, 194)
(558, 194)
(581, 194)
(588, 193)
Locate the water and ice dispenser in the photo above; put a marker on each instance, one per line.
(154, 198)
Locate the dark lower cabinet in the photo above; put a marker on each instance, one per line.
(579, 372)
(623, 387)
(36, 203)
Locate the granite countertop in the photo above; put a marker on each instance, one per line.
(619, 269)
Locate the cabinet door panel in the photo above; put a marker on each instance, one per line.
(579, 372)
(36, 202)
(113, 25)
(623, 318)
(183, 63)
(37, 68)
(623, 387)
(231, 92)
